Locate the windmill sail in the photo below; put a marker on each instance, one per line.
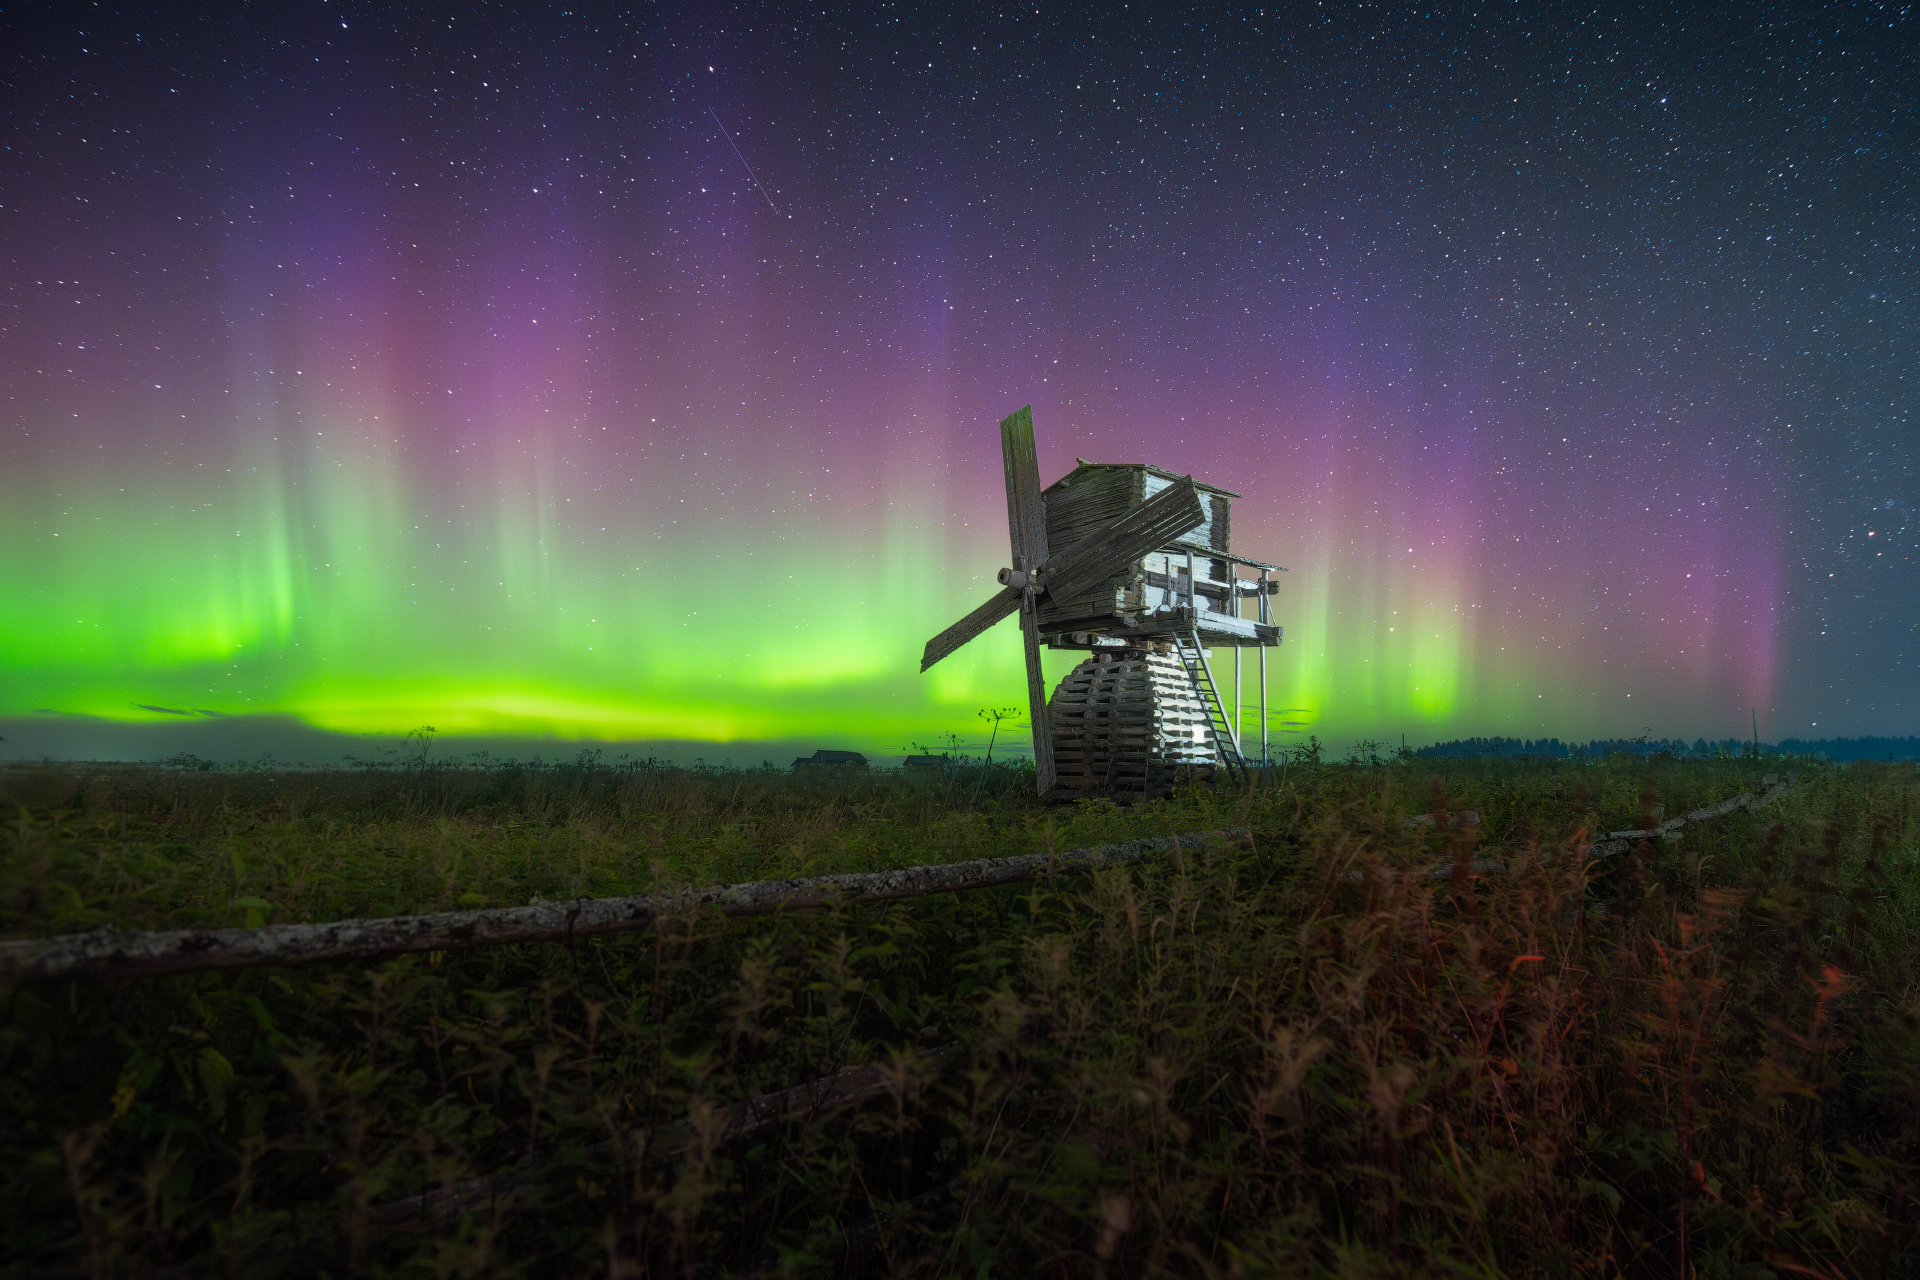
(1108, 550)
(1170, 514)
(1005, 604)
(1026, 509)
(1027, 533)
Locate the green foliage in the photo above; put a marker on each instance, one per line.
(159, 848)
(1285, 1059)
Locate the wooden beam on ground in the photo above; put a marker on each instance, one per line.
(116, 953)
(1614, 842)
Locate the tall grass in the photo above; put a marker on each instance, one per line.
(1696, 1061)
(149, 847)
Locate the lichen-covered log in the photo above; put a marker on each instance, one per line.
(117, 953)
(1614, 842)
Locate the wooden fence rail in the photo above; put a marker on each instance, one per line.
(119, 953)
(1613, 842)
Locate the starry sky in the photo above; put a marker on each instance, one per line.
(625, 374)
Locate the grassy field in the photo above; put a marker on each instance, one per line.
(1696, 1059)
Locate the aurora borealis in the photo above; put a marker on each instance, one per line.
(447, 366)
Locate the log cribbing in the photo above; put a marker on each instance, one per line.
(118, 953)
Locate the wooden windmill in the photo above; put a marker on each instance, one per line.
(1109, 559)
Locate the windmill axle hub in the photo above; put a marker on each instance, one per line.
(1019, 578)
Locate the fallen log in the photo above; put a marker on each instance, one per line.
(118, 953)
(1459, 818)
(1615, 842)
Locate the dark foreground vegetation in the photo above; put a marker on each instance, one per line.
(1695, 1059)
(1823, 749)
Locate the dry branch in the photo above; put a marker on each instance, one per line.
(116, 953)
(1614, 842)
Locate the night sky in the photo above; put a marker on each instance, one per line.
(630, 374)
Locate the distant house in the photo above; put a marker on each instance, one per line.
(852, 759)
(930, 763)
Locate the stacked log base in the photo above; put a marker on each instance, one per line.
(1129, 726)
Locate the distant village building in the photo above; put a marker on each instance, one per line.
(852, 759)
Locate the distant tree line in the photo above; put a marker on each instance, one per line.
(1826, 748)
(1850, 748)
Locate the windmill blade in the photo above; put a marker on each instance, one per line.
(1172, 513)
(1037, 697)
(1004, 602)
(1026, 509)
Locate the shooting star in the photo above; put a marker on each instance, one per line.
(743, 161)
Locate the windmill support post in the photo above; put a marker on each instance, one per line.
(1239, 726)
(1265, 619)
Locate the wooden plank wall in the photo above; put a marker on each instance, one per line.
(1211, 536)
(1088, 500)
(1094, 495)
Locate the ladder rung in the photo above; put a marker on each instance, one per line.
(1202, 678)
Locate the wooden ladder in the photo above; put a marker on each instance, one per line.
(1226, 743)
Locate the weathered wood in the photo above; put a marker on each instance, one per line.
(1219, 522)
(1457, 818)
(1004, 604)
(1213, 588)
(1081, 553)
(1043, 771)
(1205, 536)
(1026, 509)
(1027, 533)
(1096, 491)
(1102, 606)
(115, 953)
(1083, 500)
(1615, 842)
(1127, 727)
(1116, 545)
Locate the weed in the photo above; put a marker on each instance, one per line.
(1229, 1062)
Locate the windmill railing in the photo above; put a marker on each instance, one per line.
(1212, 588)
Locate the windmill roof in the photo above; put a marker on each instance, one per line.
(1147, 467)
